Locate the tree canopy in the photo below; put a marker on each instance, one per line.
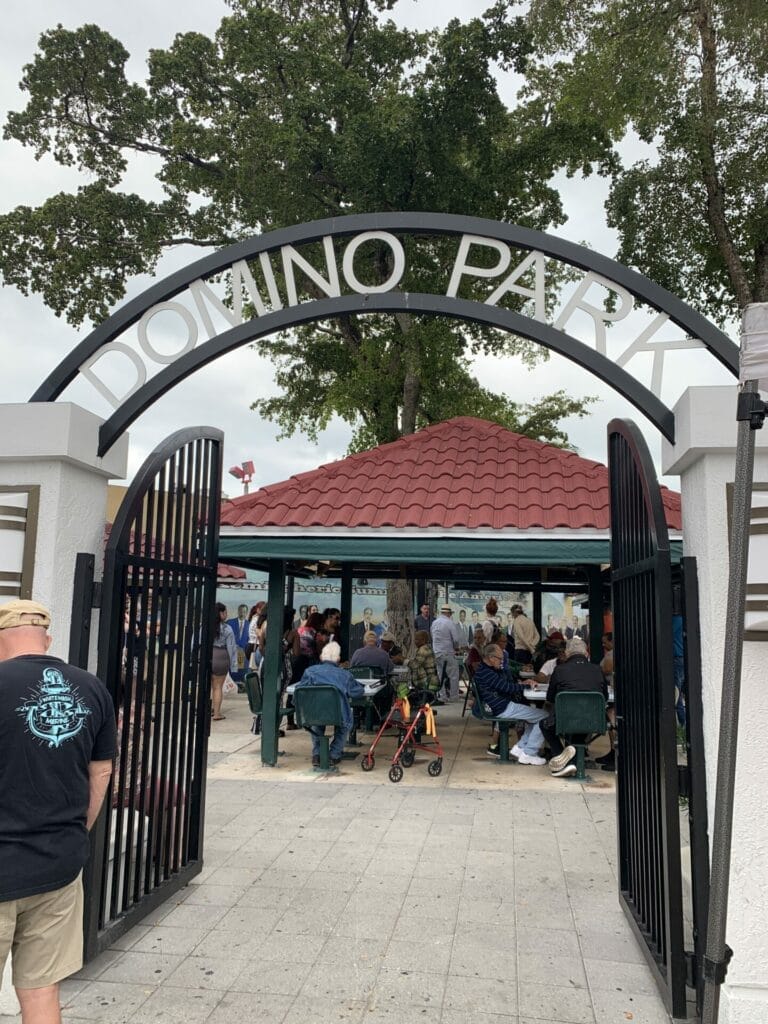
(299, 109)
(691, 78)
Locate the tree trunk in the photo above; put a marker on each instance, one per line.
(412, 376)
(400, 613)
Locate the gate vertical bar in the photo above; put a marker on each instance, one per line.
(154, 656)
(649, 857)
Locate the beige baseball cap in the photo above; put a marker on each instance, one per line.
(24, 613)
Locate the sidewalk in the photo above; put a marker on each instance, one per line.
(485, 896)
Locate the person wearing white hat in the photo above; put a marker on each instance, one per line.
(446, 640)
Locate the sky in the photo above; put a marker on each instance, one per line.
(33, 340)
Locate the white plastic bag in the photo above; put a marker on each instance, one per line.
(229, 687)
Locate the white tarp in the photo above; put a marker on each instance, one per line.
(753, 359)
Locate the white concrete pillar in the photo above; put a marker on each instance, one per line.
(54, 445)
(704, 458)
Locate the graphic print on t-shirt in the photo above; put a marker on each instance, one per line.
(54, 712)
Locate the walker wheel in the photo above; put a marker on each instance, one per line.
(435, 767)
(407, 757)
(367, 762)
(395, 773)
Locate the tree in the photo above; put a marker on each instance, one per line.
(298, 109)
(691, 78)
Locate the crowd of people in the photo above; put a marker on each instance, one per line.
(444, 653)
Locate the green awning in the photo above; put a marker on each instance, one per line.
(391, 550)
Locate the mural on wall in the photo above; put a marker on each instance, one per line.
(369, 597)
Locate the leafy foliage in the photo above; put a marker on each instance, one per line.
(299, 109)
(692, 79)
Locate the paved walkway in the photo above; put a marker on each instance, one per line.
(486, 896)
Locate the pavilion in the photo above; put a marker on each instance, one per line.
(465, 501)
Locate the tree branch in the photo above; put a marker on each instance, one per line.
(715, 212)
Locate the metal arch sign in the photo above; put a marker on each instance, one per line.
(508, 261)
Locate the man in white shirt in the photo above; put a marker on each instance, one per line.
(446, 640)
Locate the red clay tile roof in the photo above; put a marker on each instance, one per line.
(463, 473)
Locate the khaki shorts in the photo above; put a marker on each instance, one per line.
(44, 935)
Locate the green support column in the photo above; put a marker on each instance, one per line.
(595, 580)
(538, 618)
(346, 608)
(272, 663)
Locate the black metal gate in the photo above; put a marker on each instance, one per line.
(649, 781)
(158, 595)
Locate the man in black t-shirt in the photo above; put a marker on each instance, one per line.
(57, 744)
(575, 672)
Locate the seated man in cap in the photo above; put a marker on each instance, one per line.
(57, 745)
(388, 643)
(328, 672)
(446, 641)
(574, 672)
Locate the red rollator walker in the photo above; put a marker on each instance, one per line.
(409, 735)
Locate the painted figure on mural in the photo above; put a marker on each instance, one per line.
(239, 627)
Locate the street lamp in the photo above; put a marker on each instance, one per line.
(244, 473)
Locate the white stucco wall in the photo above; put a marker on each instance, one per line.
(705, 459)
(54, 445)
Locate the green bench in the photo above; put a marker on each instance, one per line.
(255, 694)
(580, 713)
(320, 705)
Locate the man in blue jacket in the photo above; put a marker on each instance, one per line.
(328, 672)
(504, 697)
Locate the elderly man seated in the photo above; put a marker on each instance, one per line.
(505, 699)
(574, 672)
(388, 643)
(371, 656)
(328, 672)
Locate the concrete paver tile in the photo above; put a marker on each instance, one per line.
(109, 1002)
(208, 895)
(555, 1002)
(546, 969)
(614, 976)
(616, 1007)
(176, 1006)
(394, 1015)
(282, 977)
(250, 1007)
(194, 915)
(548, 940)
(366, 949)
(431, 956)
(336, 1011)
(217, 972)
(143, 968)
(493, 995)
(131, 937)
(610, 945)
(478, 1017)
(286, 946)
(409, 989)
(339, 981)
(472, 961)
(162, 939)
(414, 929)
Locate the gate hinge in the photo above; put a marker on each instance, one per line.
(716, 970)
(751, 407)
(683, 780)
(96, 595)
